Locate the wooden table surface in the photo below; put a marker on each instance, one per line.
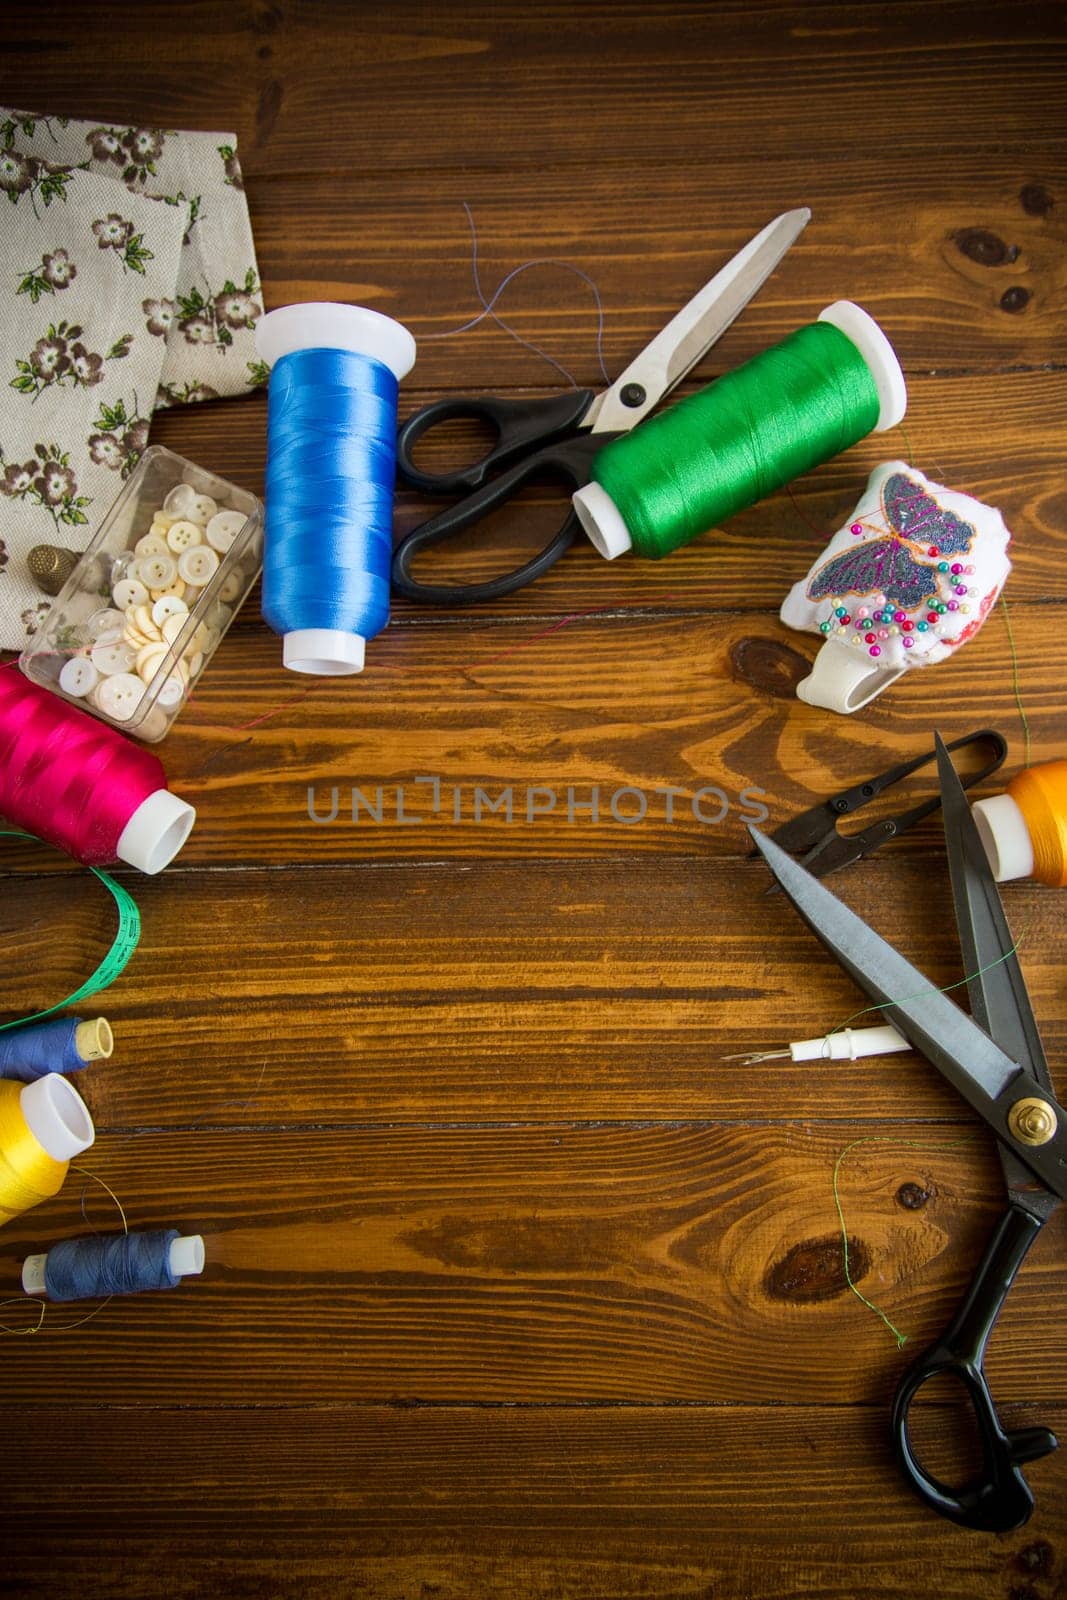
(515, 1287)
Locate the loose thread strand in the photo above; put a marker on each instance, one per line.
(908, 1144)
(68, 1327)
(1016, 685)
(489, 305)
(919, 994)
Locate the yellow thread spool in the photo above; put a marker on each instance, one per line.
(1025, 831)
(42, 1126)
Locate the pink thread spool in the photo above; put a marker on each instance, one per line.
(79, 784)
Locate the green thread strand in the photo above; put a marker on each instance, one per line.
(921, 994)
(901, 1338)
(1016, 683)
(737, 441)
(907, 1144)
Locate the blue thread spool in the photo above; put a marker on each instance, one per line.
(331, 469)
(120, 1263)
(62, 1044)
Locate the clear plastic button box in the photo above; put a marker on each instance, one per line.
(144, 610)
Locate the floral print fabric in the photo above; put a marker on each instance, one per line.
(129, 281)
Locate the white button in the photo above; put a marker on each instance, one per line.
(78, 676)
(171, 691)
(157, 571)
(202, 509)
(221, 616)
(145, 622)
(119, 697)
(223, 529)
(161, 522)
(150, 659)
(230, 587)
(171, 627)
(129, 592)
(106, 620)
(168, 605)
(193, 592)
(199, 564)
(183, 534)
(153, 544)
(194, 662)
(176, 590)
(110, 659)
(203, 638)
(153, 725)
(179, 502)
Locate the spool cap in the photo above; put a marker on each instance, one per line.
(156, 832)
(843, 680)
(602, 521)
(323, 652)
(94, 1040)
(1004, 834)
(186, 1260)
(878, 354)
(330, 325)
(187, 1255)
(57, 1116)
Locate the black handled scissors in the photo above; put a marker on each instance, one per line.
(813, 835)
(559, 436)
(995, 1060)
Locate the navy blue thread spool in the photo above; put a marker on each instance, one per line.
(56, 1044)
(330, 478)
(119, 1263)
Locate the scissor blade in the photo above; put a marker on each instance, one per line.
(929, 1019)
(973, 1063)
(688, 336)
(995, 985)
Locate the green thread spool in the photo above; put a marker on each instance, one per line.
(822, 389)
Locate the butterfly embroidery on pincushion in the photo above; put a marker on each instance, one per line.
(885, 564)
(916, 515)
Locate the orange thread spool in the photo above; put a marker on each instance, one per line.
(1025, 830)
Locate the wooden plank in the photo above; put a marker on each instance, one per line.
(551, 1263)
(466, 1505)
(686, 702)
(968, 279)
(320, 88)
(500, 991)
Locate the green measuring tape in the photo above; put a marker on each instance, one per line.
(114, 963)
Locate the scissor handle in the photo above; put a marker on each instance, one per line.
(568, 461)
(999, 1499)
(522, 426)
(851, 799)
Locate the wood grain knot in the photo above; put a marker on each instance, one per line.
(988, 249)
(912, 1196)
(769, 665)
(1037, 1559)
(1036, 200)
(815, 1270)
(1015, 299)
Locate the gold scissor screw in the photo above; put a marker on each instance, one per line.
(1032, 1121)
